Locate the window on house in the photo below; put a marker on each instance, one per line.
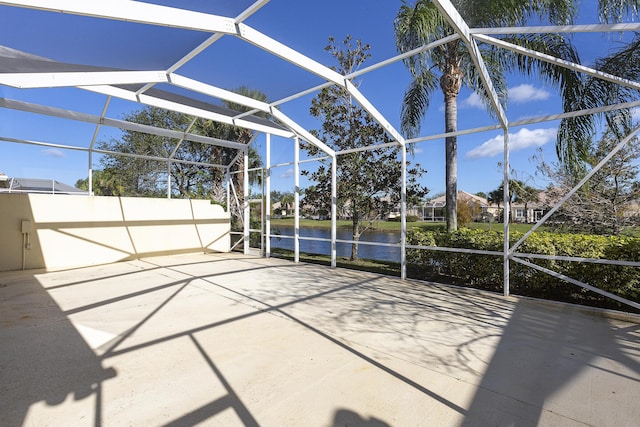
(537, 215)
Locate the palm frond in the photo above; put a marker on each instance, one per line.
(574, 134)
(506, 13)
(416, 26)
(613, 11)
(416, 101)
(594, 92)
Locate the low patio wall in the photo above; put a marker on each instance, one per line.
(63, 231)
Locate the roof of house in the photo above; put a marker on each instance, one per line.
(462, 195)
(36, 185)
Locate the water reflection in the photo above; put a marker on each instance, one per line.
(383, 253)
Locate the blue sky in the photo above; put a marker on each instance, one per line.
(305, 26)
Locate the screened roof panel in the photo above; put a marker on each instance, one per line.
(230, 63)
(14, 61)
(307, 25)
(94, 41)
(17, 61)
(191, 101)
(78, 43)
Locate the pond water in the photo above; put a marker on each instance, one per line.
(383, 253)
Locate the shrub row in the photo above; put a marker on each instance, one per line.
(486, 271)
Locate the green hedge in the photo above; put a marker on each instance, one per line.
(486, 271)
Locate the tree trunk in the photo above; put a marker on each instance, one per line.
(451, 179)
(450, 83)
(356, 236)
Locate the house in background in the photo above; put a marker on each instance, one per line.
(36, 185)
(530, 213)
(483, 211)
(434, 210)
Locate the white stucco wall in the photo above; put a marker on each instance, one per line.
(71, 231)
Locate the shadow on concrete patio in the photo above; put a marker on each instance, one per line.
(346, 417)
(44, 359)
(231, 340)
(551, 360)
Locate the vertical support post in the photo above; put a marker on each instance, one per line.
(296, 200)
(267, 200)
(93, 142)
(90, 179)
(245, 201)
(262, 214)
(507, 210)
(168, 179)
(227, 178)
(334, 210)
(403, 215)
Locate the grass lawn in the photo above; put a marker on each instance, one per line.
(395, 226)
(375, 266)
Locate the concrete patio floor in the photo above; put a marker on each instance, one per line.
(228, 340)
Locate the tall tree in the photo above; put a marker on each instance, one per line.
(226, 155)
(369, 181)
(140, 177)
(519, 192)
(287, 202)
(525, 194)
(106, 182)
(607, 203)
(450, 66)
(496, 196)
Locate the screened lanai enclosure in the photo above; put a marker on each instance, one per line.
(112, 301)
(68, 65)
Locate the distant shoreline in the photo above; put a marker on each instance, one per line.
(393, 226)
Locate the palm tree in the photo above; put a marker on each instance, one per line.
(287, 201)
(576, 135)
(496, 196)
(224, 155)
(450, 65)
(524, 193)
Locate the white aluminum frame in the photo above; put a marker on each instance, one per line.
(104, 82)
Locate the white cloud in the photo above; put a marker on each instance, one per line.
(417, 150)
(526, 93)
(53, 152)
(472, 101)
(635, 113)
(518, 94)
(520, 140)
(286, 174)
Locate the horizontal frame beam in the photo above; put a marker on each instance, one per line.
(174, 106)
(578, 283)
(134, 11)
(109, 152)
(577, 259)
(115, 123)
(557, 61)
(74, 79)
(580, 28)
